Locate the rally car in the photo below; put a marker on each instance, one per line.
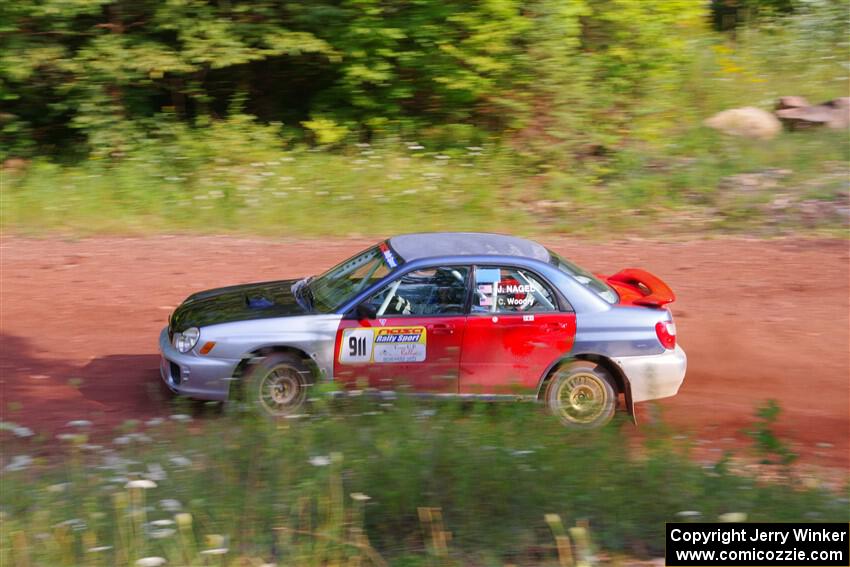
(467, 315)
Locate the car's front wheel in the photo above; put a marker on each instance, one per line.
(277, 384)
(582, 395)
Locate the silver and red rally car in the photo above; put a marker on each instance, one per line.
(468, 315)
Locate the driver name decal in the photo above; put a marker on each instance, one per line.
(384, 344)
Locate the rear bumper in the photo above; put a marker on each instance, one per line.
(654, 376)
(190, 375)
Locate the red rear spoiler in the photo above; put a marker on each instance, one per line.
(659, 293)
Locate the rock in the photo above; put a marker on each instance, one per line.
(748, 122)
(832, 114)
(791, 102)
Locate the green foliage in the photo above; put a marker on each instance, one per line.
(186, 114)
(772, 449)
(90, 70)
(288, 492)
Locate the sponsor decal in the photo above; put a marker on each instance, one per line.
(383, 344)
(389, 257)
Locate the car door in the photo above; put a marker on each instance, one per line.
(514, 332)
(408, 335)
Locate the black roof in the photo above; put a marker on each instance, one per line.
(437, 244)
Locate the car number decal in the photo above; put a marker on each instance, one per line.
(383, 344)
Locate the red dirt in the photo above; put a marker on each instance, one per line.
(759, 320)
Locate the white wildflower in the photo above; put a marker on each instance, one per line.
(99, 549)
(180, 461)
(360, 497)
(153, 422)
(142, 483)
(733, 517)
(162, 523)
(19, 463)
(22, 431)
(162, 533)
(689, 514)
(320, 461)
(151, 562)
(56, 488)
(181, 417)
(215, 551)
(156, 472)
(79, 423)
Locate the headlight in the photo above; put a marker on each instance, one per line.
(186, 341)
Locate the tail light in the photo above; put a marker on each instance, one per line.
(666, 331)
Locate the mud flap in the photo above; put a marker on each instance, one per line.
(630, 405)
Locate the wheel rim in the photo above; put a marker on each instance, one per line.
(581, 398)
(281, 390)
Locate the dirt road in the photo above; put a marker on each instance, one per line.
(759, 319)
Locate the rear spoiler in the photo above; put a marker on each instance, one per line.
(655, 292)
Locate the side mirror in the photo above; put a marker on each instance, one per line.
(365, 311)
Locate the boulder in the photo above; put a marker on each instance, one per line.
(748, 122)
(832, 114)
(791, 102)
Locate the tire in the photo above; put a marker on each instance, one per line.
(582, 395)
(277, 385)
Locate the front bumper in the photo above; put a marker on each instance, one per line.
(654, 376)
(194, 376)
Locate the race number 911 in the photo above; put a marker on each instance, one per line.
(356, 346)
(383, 345)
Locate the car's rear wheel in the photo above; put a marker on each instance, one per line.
(277, 384)
(582, 395)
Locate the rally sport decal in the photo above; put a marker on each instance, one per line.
(382, 344)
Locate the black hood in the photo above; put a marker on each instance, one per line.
(237, 303)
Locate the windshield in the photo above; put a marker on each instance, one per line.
(342, 282)
(585, 278)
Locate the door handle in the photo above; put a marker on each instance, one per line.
(441, 329)
(554, 327)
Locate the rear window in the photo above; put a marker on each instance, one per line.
(585, 278)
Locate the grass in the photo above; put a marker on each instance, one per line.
(363, 482)
(390, 188)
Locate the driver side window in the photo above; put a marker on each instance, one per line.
(430, 291)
